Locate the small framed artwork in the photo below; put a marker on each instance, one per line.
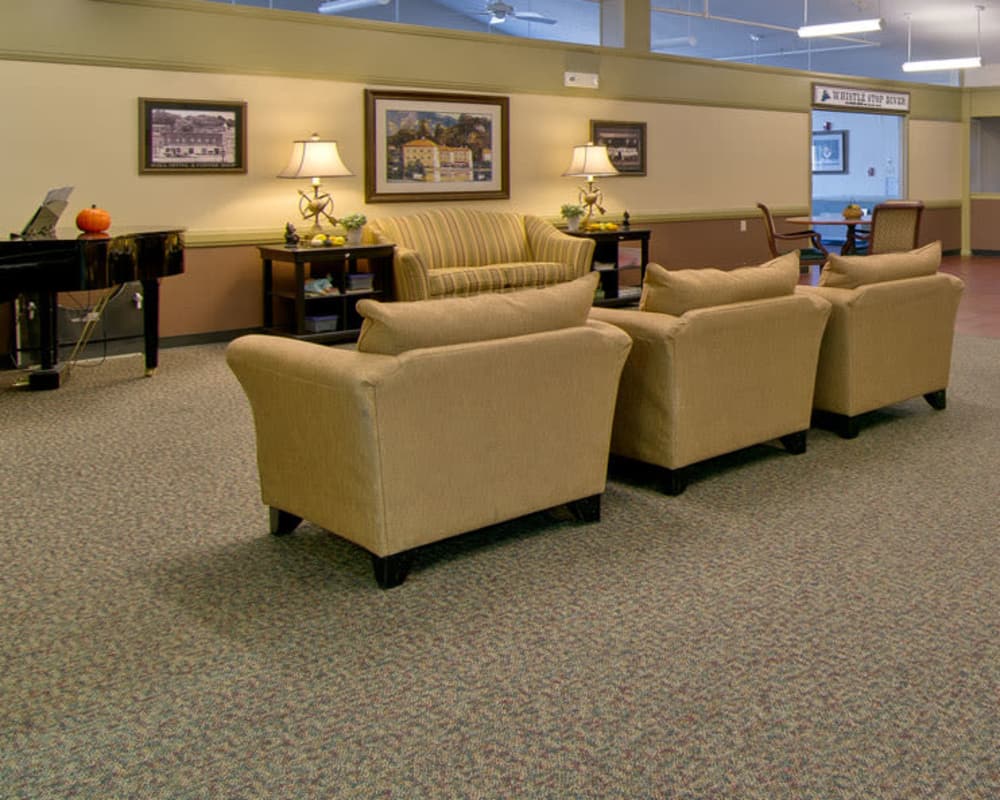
(626, 143)
(192, 136)
(429, 146)
(829, 152)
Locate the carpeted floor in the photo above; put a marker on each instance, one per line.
(820, 626)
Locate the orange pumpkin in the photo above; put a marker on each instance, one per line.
(93, 220)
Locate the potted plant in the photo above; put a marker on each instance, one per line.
(571, 212)
(353, 223)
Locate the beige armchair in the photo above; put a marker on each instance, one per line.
(889, 337)
(720, 361)
(462, 251)
(449, 416)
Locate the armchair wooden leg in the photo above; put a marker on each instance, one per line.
(586, 509)
(391, 571)
(672, 481)
(795, 443)
(282, 522)
(937, 400)
(842, 425)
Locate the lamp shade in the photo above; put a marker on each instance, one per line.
(314, 158)
(590, 160)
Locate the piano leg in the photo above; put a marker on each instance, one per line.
(151, 323)
(49, 374)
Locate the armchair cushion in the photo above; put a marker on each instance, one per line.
(850, 272)
(677, 291)
(394, 328)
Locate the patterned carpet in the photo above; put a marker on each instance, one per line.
(813, 627)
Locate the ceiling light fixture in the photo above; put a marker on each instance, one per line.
(339, 6)
(840, 28)
(930, 65)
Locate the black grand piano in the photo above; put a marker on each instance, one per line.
(67, 261)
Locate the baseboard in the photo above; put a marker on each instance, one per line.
(107, 348)
(205, 338)
(981, 252)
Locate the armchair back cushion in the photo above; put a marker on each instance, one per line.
(393, 328)
(850, 272)
(678, 291)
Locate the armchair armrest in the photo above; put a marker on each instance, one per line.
(548, 243)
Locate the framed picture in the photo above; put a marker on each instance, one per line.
(626, 143)
(829, 152)
(427, 146)
(192, 136)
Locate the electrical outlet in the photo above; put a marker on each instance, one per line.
(743, 226)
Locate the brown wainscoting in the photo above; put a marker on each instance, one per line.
(985, 224)
(221, 290)
(708, 243)
(944, 225)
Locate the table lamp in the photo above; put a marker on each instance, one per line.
(315, 158)
(590, 161)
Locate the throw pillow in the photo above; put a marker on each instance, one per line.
(850, 272)
(676, 291)
(393, 328)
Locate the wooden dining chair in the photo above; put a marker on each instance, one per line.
(895, 228)
(813, 253)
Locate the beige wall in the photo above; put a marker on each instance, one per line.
(85, 135)
(936, 160)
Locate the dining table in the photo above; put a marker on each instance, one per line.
(850, 245)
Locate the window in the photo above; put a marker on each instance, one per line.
(572, 21)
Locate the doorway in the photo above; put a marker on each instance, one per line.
(869, 168)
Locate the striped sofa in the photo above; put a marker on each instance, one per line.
(456, 251)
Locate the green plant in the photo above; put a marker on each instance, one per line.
(353, 221)
(570, 210)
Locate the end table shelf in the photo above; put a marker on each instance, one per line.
(607, 263)
(310, 262)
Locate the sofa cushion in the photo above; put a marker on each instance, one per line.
(676, 291)
(393, 328)
(459, 237)
(850, 272)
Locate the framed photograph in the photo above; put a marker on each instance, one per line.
(428, 146)
(829, 152)
(192, 136)
(626, 143)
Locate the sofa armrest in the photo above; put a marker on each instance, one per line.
(548, 243)
(409, 275)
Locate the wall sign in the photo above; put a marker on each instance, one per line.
(861, 99)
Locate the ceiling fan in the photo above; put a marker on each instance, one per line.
(499, 12)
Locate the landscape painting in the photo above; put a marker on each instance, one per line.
(422, 146)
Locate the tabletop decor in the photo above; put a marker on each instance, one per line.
(315, 158)
(571, 212)
(423, 146)
(590, 161)
(353, 223)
